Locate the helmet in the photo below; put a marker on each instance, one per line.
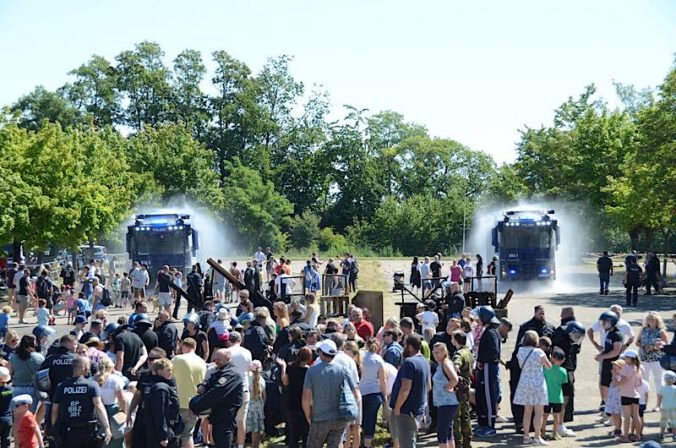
(42, 382)
(575, 331)
(609, 316)
(191, 317)
(110, 329)
(80, 319)
(42, 331)
(487, 315)
(142, 319)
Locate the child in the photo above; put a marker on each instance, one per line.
(26, 430)
(614, 402)
(545, 344)
(125, 285)
(555, 378)
(629, 380)
(5, 407)
(666, 400)
(117, 291)
(42, 313)
(255, 418)
(4, 321)
(643, 392)
(429, 319)
(71, 310)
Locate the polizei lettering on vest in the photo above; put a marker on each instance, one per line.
(75, 390)
(62, 362)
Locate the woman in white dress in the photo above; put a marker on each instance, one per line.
(531, 392)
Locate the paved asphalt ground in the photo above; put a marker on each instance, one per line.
(578, 289)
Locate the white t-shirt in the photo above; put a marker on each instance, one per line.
(390, 376)
(425, 271)
(429, 319)
(259, 257)
(138, 278)
(110, 388)
(17, 278)
(643, 390)
(622, 326)
(287, 281)
(241, 359)
(467, 270)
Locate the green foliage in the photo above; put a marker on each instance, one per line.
(258, 148)
(304, 230)
(254, 207)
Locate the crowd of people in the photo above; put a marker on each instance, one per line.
(232, 372)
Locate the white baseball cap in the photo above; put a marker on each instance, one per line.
(328, 347)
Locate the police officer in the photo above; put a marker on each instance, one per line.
(223, 394)
(605, 267)
(568, 337)
(163, 422)
(60, 366)
(195, 284)
(632, 280)
(75, 407)
(542, 328)
(145, 382)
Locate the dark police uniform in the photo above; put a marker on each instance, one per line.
(488, 376)
(162, 417)
(76, 425)
(633, 282)
(223, 395)
(561, 340)
(145, 382)
(60, 365)
(542, 329)
(604, 265)
(195, 290)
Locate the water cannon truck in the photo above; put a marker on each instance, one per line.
(526, 242)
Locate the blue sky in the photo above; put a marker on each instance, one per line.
(472, 71)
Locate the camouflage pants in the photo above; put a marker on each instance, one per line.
(462, 426)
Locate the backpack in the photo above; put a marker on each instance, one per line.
(206, 319)
(462, 389)
(106, 299)
(43, 288)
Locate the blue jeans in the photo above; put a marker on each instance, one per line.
(445, 416)
(604, 280)
(370, 405)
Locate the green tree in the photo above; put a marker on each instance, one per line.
(190, 105)
(43, 105)
(254, 208)
(178, 164)
(304, 230)
(144, 82)
(94, 91)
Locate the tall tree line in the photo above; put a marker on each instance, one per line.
(259, 151)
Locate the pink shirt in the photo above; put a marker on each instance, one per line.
(456, 273)
(631, 382)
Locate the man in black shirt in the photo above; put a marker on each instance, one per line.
(652, 273)
(435, 267)
(195, 284)
(143, 329)
(568, 337)
(167, 334)
(605, 267)
(75, 408)
(632, 280)
(68, 275)
(130, 351)
(164, 278)
(95, 329)
(23, 294)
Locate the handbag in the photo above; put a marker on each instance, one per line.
(118, 423)
(347, 405)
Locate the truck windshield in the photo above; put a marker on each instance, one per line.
(160, 243)
(526, 237)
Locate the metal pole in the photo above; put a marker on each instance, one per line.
(464, 207)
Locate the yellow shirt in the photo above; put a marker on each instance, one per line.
(189, 371)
